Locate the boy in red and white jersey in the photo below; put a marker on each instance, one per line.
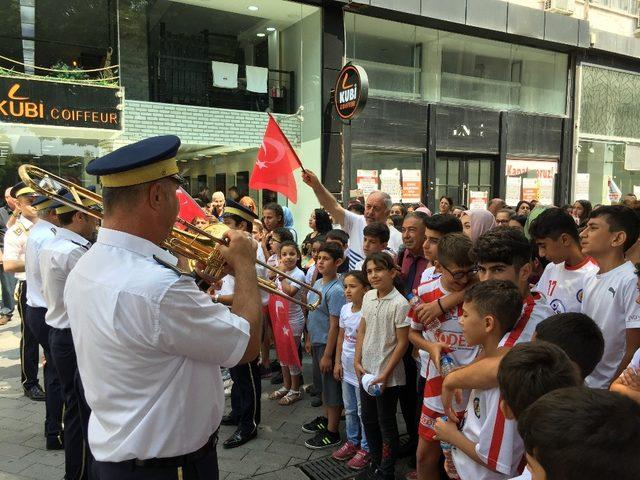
(456, 269)
(503, 253)
(489, 446)
(556, 234)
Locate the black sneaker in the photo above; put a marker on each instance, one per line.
(35, 393)
(316, 402)
(276, 378)
(316, 425)
(323, 439)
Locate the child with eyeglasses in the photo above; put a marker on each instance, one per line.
(457, 271)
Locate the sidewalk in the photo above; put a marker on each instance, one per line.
(274, 455)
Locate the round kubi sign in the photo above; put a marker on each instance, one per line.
(351, 91)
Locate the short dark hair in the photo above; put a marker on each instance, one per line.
(499, 298)
(359, 275)
(445, 223)
(503, 245)
(323, 221)
(579, 433)
(620, 218)
(274, 207)
(380, 259)
(377, 230)
(529, 370)
(337, 234)
(238, 220)
(67, 218)
(419, 215)
(357, 208)
(455, 248)
(521, 219)
(577, 335)
(552, 223)
(334, 251)
(284, 233)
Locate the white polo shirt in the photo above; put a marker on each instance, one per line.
(149, 345)
(354, 225)
(57, 258)
(15, 243)
(41, 233)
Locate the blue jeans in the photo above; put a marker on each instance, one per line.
(352, 412)
(8, 285)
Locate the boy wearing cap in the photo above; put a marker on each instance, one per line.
(15, 243)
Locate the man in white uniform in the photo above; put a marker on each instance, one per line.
(376, 209)
(149, 343)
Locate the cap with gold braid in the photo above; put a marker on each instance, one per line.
(144, 161)
(87, 202)
(42, 203)
(21, 189)
(235, 208)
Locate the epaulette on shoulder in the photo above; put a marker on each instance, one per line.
(18, 231)
(172, 267)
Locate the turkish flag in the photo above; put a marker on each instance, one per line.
(282, 334)
(275, 163)
(189, 209)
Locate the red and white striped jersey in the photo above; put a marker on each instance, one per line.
(562, 286)
(534, 310)
(497, 441)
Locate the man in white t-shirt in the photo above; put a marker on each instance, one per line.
(610, 295)
(556, 235)
(376, 209)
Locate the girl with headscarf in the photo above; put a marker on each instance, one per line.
(476, 222)
(288, 222)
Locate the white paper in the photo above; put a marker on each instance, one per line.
(546, 191)
(390, 183)
(632, 157)
(257, 79)
(636, 191)
(225, 75)
(411, 186)
(367, 181)
(581, 190)
(513, 191)
(478, 200)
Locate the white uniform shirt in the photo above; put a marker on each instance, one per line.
(41, 233)
(534, 310)
(57, 258)
(15, 243)
(562, 285)
(149, 345)
(610, 300)
(354, 225)
(497, 441)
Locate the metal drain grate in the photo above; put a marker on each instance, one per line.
(326, 468)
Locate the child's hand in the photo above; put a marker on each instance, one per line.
(360, 371)
(435, 350)
(630, 378)
(445, 430)
(447, 396)
(326, 364)
(382, 380)
(337, 371)
(427, 312)
(307, 344)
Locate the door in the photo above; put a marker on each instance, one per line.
(459, 175)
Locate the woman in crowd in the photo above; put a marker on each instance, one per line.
(476, 222)
(458, 210)
(398, 209)
(217, 204)
(248, 202)
(287, 217)
(445, 205)
(320, 224)
(581, 211)
(523, 208)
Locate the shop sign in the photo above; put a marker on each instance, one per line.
(411, 186)
(39, 102)
(478, 200)
(367, 181)
(351, 91)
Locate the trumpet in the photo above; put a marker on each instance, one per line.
(192, 243)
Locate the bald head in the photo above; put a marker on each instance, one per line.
(495, 205)
(377, 207)
(11, 202)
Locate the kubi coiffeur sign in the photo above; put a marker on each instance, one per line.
(60, 104)
(351, 91)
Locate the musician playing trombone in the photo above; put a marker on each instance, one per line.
(149, 343)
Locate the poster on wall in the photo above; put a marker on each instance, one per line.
(513, 190)
(530, 189)
(411, 187)
(636, 191)
(390, 183)
(367, 181)
(478, 200)
(581, 191)
(545, 191)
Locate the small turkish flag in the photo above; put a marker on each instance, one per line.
(189, 209)
(275, 163)
(282, 334)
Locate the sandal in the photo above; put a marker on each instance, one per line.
(290, 398)
(278, 394)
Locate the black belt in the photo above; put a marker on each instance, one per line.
(179, 461)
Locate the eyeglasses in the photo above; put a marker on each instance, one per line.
(460, 274)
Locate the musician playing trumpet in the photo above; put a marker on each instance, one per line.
(149, 343)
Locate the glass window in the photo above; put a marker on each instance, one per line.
(420, 63)
(530, 179)
(628, 6)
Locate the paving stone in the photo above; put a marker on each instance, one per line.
(237, 466)
(14, 450)
(43, 472)
(299, 451)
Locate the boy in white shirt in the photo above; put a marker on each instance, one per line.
(556, 235)
(610, 295)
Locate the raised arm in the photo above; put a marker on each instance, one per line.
(324, 196)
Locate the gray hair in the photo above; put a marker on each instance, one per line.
(385, 197)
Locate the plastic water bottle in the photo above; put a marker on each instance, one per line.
(448, 458)
(415, 300)
(447, 363)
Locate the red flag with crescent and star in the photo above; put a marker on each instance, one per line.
(189, 209)
(275, 163)
(282, 333)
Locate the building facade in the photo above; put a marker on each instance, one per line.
(467, 98)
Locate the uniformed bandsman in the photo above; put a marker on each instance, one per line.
(15, 247)
(74, 236)
(149, 343)
(43, 231)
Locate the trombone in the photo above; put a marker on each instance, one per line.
(199, 246)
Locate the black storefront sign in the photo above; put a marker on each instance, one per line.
(351, 91)
(40, 102)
